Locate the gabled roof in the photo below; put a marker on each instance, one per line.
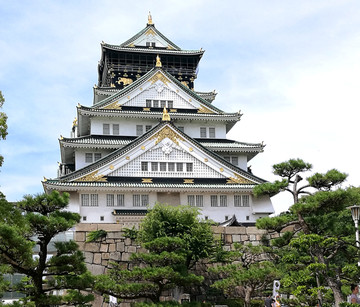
(136, 84)
(148, 28)
(233, 173)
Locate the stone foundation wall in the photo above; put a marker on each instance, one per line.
(115, 247)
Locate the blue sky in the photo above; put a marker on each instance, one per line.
(291, 67)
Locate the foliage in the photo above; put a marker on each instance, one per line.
(3, 125)
(175, 240)
(317, 256)
(250, 269)
(131, 233)
(96, 235)
(27, 230)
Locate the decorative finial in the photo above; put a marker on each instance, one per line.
(61, 137)
(75, 122)
(166, 115)
(158, 62)
(78, 105)
(150, 22)
(45, 179)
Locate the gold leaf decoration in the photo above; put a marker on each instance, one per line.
(125, 81)
(188, 180)
(113, 105)
(142, 147)
(146, 180)
(206, 160)
(111, 167)
(92, 177)
(173, 110)
(166, 132)
(146, 109)
(202, 109)
(150, 32)
(221, 169)
(159, 76)
(238, 179)
(191, 149)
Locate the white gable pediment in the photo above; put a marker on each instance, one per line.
(158, 88)
(150, 38)
(165, 153)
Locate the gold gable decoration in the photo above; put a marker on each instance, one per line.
(113, 105)
(158, 61)
(238, 179)
(150, 32)
(161, 77)
(166, 116)
(202, 109)
(92, 177)
(166, 132)
(125, 81)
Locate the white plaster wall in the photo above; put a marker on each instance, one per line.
(80, 156)
(192, 128)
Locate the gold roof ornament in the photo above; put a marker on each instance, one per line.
(150, 22)
(166, 116)
(75, 122)
(158, 61)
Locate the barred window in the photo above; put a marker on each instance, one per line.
(191, 200)
(154, 166)
(85, 200)
(199, 201)
(88, 157)
(140, 200)
(136, 200)
(120, 200)
(110, 200)
(163, 103)
(162, 166)
(97, 156)
(116, 129)
(170, 104)
(237, 200)
(179, 167)
(213, 200)
(94, 200)
(212, 132)
(227, 158)
(106, 128)
(246, 200)
(235, 160)
(148, 103)
(181, 128)
(139, 130)
(189, 167)
(171, 167)
(144, 200)
(147, 128)
(223, 200)
(156, 103)
(203, 132)
(144, 166)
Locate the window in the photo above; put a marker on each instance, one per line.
(94, 200)
(226, 217)
(101, 218)
(202, 132)
(144, 166)
(191, 200)
(88, 157)
(206, 217)
(148, 103)
(246, 201)
(162, 166)
(181, 128)
(235, 160)
(148, 127)
(211, 132)
(213, 200)
(170, 104)
(140, 200)
(152, 44)
(84, 218)
(247, 218)
(139, 130)
(84, 200)
(106, 128)
(189, 167)
(241, 200)
(110, 200)
(163, 103)
(171, 167)
(120, 200)
(223, 201)
(116, 129)
(156, 103)
(196, 200)
(179, 167)
(97, 156)
(154, 166)
(227, 158)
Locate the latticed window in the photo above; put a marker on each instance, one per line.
(110, 200)
(147, 128)
(136, 200)
(139, 130)
(227, 158)
(97, 156)
(191, 200)
(211, 132)
(235, 160)
(223, 200)
(88, 157)
(94, 200)
(171, 167)
(120, 200)
(144, 200)
(148, 103)
(181, 128)
(140, 200)
(163, 103)
(213, 200)
(199, 201)
(156, 103)
(162, 166)
(106, 128)
(246, 200)
(170, 104)
(179, 167)
(237, 200)
(144, 166)
(189, 167)
(154, 166)
(116, 129)
(203, 132)
(85, 200)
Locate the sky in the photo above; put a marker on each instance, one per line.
(291, 67)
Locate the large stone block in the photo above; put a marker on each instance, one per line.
(97, 258)
(115, 256)
(88, 257)
(104, 248)
(120, 246)
(110, 227)
(235, 230)
(112, 247)
(92, 247)
(125, 256)
(114, 235)
(217, 229)
(131, 249)
(236, 238)
(127, 241)
(80, 236)
(254, 230)
(96, 269)
(86, 227)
